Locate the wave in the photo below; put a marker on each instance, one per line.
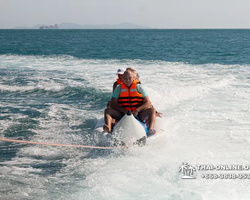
(59, 99)
(94, 97)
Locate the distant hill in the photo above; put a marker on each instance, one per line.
(124, 25)
(65, 25)
(37, 26)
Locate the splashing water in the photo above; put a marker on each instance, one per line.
(58, 99)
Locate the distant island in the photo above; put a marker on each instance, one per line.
(64, 25)
(49, 27)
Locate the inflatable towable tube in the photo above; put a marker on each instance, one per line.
(127, 131)
(130, 131)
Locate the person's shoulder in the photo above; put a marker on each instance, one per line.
(141, 90)
(118, 86)
(117, 91)
(139, 86)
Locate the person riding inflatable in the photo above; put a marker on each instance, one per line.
(120, 72)
(130, 95)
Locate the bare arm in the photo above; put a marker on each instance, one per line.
(115, 105)
(146, 104)
(114, 85)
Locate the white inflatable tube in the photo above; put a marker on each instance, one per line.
(129, 131)
(99, 126)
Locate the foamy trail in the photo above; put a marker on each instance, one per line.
(59, 100)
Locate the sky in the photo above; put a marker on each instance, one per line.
(149, 13)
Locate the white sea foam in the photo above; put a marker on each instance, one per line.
(206, 115)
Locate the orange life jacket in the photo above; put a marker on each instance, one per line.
(118, 81)
(130, 98)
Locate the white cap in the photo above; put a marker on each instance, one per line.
(120, 71)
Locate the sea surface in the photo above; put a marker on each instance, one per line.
(54, 86)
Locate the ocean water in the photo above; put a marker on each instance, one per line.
(54, 86)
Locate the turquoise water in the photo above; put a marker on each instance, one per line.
(192, 46)
(54, 86)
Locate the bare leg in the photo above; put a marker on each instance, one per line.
(108, 104)
(110, 113)
(149, 114)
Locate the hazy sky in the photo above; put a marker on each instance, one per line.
(151, 13)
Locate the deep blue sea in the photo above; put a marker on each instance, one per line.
(54, 86)
(189, 46)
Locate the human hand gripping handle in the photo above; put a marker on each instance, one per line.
(158, 114)
(135, 112)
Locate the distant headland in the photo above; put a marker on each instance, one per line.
(64, 25)
(49, 26)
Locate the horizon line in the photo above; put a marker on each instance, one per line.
(124, 28)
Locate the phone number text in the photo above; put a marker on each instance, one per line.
(225, 176)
